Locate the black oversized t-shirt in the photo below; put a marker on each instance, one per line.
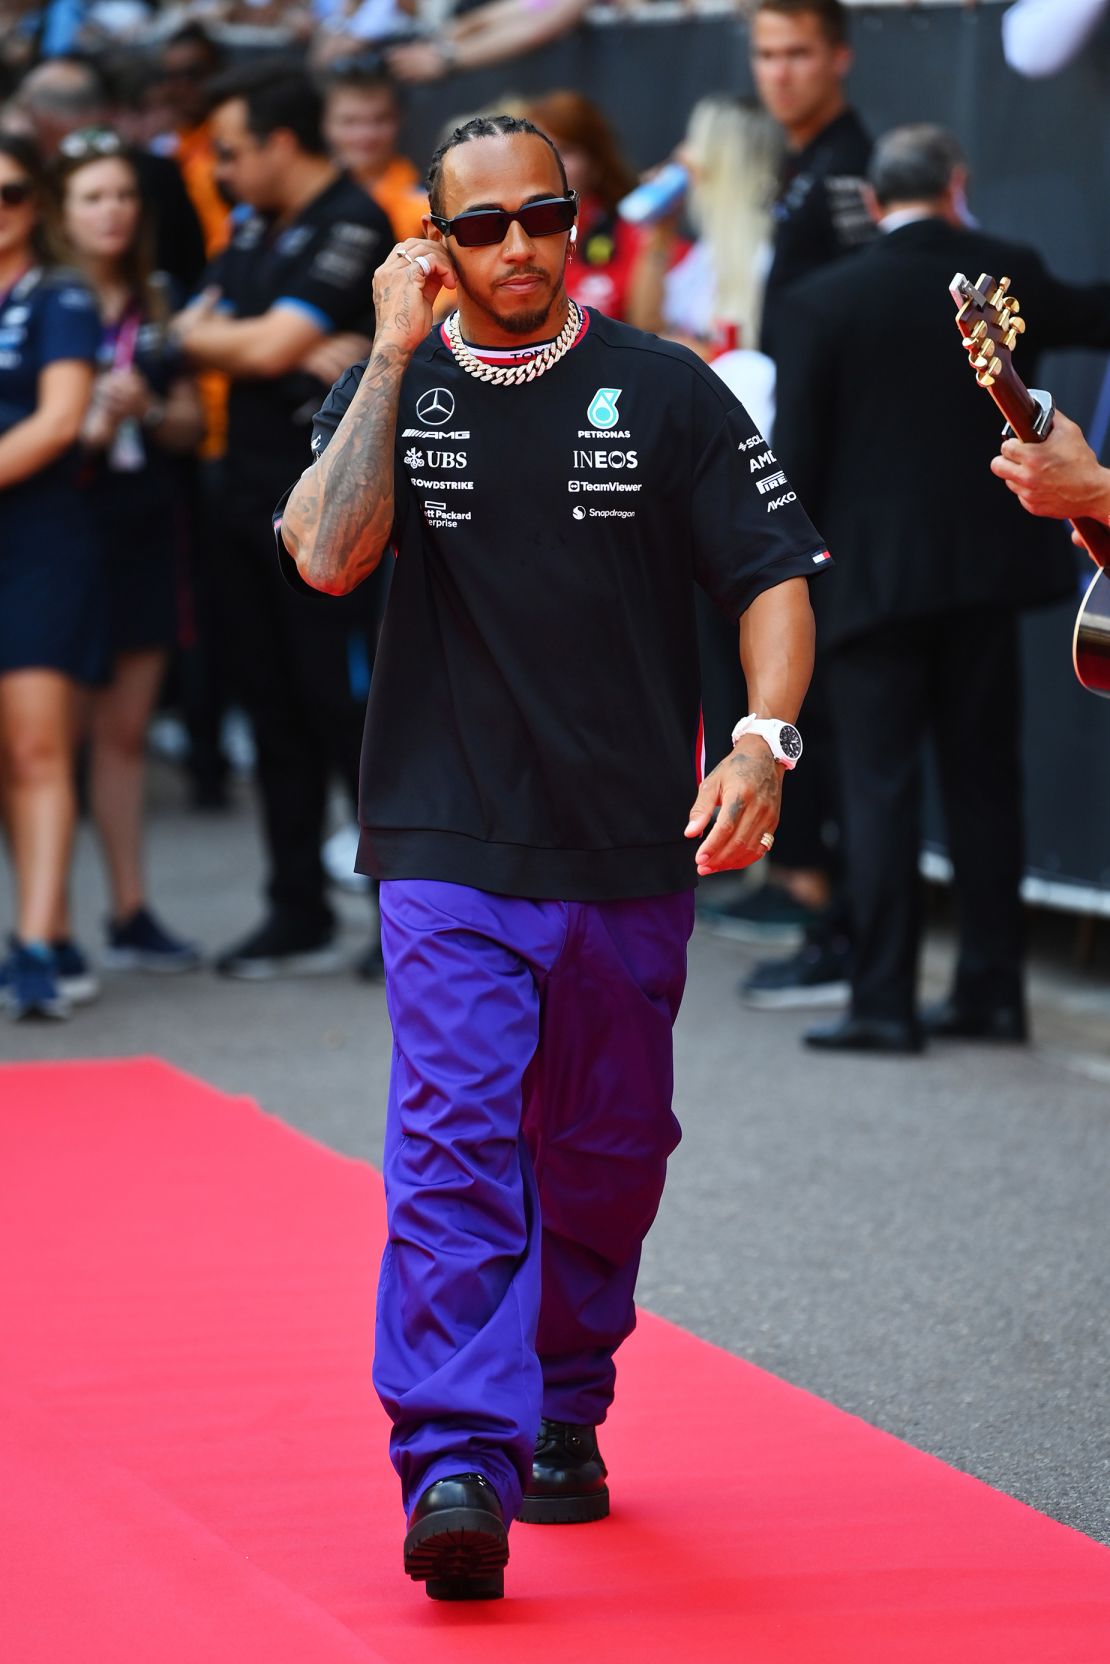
(321, 263)
(533, 718)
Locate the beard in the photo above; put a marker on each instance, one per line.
(515, 323)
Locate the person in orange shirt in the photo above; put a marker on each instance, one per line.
(190, 58)
(362, 119)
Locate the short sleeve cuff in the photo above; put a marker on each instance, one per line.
(317, 315)
(739, 600)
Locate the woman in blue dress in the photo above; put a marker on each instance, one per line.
(50, 584)
(145, 416)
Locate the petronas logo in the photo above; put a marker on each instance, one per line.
(603, 408)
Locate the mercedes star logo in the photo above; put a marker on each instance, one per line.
(436, 407)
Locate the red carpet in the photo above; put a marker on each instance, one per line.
(194, 1470)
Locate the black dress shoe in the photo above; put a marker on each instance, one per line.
(952, 1021)
(568, 1477)
(867, 1034)
(457, 1545)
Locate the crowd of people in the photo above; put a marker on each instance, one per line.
(187, 247)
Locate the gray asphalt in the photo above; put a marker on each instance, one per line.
(924, 1242)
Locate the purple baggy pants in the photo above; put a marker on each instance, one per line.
(526, 1145)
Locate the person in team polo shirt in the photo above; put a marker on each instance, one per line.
(551, 482)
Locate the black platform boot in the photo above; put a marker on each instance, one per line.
(457, 1545)
(568, 1477)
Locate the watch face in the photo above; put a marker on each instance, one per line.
(791, 741)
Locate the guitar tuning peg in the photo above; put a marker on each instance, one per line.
(1017, 325)
(1000, 293)
(979, 331)
(986, 379)
(1011, 340)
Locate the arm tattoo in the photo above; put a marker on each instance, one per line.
(338, 517)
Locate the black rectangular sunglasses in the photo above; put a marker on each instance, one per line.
(479, 227)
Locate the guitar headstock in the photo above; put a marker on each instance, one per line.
(990, 321)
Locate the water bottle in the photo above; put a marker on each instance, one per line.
(656, 197)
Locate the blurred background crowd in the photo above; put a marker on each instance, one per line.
(193, 199)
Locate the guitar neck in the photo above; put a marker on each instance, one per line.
(1096, 540)
(1023, 413)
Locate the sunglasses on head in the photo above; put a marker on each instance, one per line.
(16, 192)
(356, 63)
(90, 141)
(479, 227)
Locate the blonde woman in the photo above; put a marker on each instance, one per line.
(711, 297)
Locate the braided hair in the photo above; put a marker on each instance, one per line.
(482, 127)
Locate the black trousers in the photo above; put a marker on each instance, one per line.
(203, 659)
(954, 679)
(301, 669)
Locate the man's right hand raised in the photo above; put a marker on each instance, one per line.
(406, 287)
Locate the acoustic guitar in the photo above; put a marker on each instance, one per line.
(990, 321)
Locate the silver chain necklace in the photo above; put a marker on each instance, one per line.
(506, 375)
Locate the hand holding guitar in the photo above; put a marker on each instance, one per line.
(1059, 478)
(1045, 460)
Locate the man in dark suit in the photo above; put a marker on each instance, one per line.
(888, 439)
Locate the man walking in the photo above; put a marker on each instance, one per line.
(551, 483)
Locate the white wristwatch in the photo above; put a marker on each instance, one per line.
(782, 737)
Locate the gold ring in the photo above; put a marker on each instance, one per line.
(767, 839)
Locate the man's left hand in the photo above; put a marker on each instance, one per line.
(1059, 478)
(746, 789)
(192, 316)
(335, 355)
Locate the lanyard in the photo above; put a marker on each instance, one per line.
(126, 339)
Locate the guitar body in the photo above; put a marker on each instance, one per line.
(1091, 643)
